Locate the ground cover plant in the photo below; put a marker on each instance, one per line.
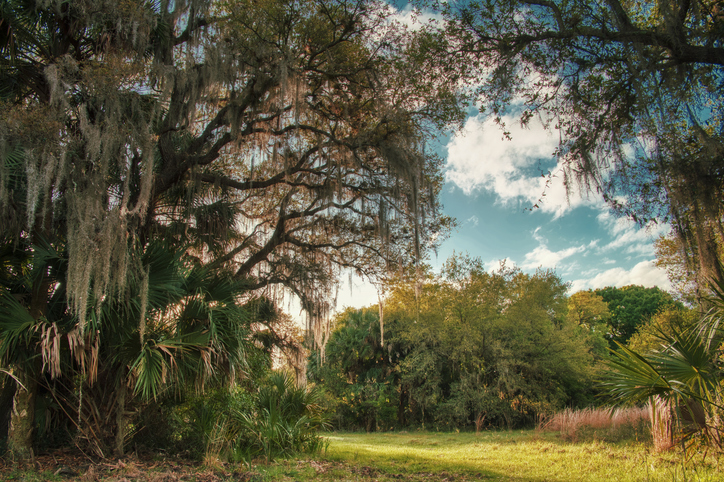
(526, 455)
(519, 455)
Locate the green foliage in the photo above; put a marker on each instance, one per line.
(682, 374)
(467, 347)
(198, 426)
(358, 374)
(285, 420)
(267, 417)
(668, 321)
(632, 306)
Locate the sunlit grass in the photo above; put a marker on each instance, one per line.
(504, 456)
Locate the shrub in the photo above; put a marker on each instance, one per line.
(285, 420)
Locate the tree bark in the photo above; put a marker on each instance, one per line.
(22, 417)
(121, 419)
(7, 395)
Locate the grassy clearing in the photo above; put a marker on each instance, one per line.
(504, 456)
(530, 456)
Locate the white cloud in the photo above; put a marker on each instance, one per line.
(538, 236)
(644, 273)
(543, 257)
(628, 237)
(480, 158)
(572, 268)
(474, 220)
(415, 19)
(492, 266)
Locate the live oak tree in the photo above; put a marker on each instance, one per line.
(633, 89)
(276, 140)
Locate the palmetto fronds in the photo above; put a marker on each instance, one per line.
(682, 378)
(286, 418)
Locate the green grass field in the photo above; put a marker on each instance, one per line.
(504, 456)
(409, 457)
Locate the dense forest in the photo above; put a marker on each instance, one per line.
(173, 172)
(475, 349)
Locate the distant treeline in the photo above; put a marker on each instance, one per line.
(471, 348)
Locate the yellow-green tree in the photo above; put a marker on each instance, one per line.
(481, 347)
(588, 309)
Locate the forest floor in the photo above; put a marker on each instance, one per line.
(516, 456)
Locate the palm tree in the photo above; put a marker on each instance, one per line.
(32, 309)
(184, 325)
(682, 380)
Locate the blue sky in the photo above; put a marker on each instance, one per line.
(491, 185)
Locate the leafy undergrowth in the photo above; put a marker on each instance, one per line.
(416, 456)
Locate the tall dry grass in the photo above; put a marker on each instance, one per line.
(601, 423)
(662, 427)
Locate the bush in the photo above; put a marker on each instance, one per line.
(285, 420)
(278, 419)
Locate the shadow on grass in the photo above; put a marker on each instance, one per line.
(422, 455)
(511, 456)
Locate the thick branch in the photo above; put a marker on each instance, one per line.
(679, 50)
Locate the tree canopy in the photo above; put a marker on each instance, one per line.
(634, 90)
(631, 307)
(270, 143)
(277, 138)
(464, 348)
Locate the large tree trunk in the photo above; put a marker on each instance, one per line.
(6, 405)
(22, 418)
(120, 419)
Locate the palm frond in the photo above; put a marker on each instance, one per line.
(150, 371)
(686, 362)
(633, 379)
(17, 329)
(710, 326)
